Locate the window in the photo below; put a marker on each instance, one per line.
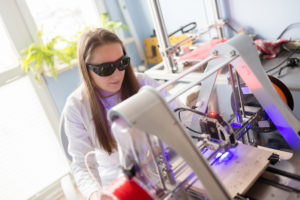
(8, 55)
(32, 161)
(31, 158)
(65, 18)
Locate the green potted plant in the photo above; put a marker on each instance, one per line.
(111, 25)
(40, 56)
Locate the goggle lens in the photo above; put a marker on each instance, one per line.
(107, 69)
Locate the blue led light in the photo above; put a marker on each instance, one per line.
(168, 163)
(236, 125)
(204, 150)
(218, 155)
(223, 157)
(226, 156)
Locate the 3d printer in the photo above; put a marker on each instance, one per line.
(214, 154)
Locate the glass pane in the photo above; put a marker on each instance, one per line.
(63, 17)
(8, 54)
(31, 158)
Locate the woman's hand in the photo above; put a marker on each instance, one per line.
(100, 196)
(104, 196)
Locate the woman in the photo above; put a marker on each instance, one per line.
(108, 79)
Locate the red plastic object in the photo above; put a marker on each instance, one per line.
(202, 51)
(124, 189)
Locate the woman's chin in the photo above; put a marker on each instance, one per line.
(110, 91)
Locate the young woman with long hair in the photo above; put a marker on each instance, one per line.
(107, 79)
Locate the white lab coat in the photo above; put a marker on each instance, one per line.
(80, 132)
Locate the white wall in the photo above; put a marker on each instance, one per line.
(266, 18)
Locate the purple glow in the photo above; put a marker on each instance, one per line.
(204, 150)
(168, 163)
(218, 155)
(282, 119)
(224, 157)
(236, 125)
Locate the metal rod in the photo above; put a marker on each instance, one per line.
(278, 185)
(186, 72)
(172, 49)
(190, 39)
(203, 77)
(179, 171)
(243, 138)
(239, 133)
(240, 93)
(162, 36)
(213, 154)
(156, 162)
(214, 161)
(238, 114)
(237, 110)
(283, 173)
(192, 183)
(195, 195)
(179, 166)
(166, 165)
(189, 177)
(182, 164)
(216, 14)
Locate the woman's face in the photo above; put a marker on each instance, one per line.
(103, 54)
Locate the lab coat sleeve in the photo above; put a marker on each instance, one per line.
(147, 80)
(79, 146)
(144, 79)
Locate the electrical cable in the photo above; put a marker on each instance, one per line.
(286, 29)
(284, 60)
(280, 70)
(284, 46)
(184, 29)
(188, 109)
(291, 62)
(179, 109)
(89, 170)
(101, 193)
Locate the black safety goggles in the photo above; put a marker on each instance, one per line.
(107, 69)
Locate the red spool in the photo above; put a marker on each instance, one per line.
(124, 189)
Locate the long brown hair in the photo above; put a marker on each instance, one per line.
(90, 40)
